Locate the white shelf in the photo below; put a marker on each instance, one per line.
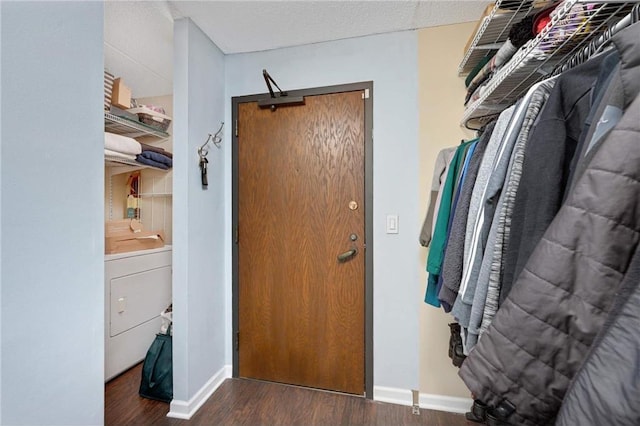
(156, 195)
(117, 165)
(540, 56)
(494, 30)
(132, 129)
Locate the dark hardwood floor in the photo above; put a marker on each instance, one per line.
(251, 402)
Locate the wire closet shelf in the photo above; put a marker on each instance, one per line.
(574, 25)
(132, 129)
(494, 29)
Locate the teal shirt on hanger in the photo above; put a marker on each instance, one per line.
(438, 242)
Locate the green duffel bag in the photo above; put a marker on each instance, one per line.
(157, 370)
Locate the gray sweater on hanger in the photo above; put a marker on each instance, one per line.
(489, 204)
(485, 303)
(476, 214)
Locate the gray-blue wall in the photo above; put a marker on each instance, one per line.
(198, 215)
(390, 61)
(51, 203)
(52, 224)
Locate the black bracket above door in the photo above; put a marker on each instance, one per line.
(283, 99)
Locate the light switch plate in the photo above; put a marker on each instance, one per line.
(392, 224)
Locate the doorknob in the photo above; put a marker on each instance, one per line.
(343, 257)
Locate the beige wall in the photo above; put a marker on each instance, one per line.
(440, 105)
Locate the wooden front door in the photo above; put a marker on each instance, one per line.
(301, 241)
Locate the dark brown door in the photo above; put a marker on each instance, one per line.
(300, 206)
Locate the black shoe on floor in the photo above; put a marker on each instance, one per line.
(478, 412)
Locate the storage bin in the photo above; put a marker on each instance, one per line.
(152, 116)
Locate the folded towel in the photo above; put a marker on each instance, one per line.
(479, 66)
(157, 157)
(148, 162)
(116, 154)
(501, 57)
(122, 144)
(157, 149)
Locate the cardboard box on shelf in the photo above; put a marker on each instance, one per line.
(127, 235)
(121, 94)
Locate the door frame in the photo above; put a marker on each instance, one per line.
(366, 86)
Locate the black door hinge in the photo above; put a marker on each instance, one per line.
(237, 341)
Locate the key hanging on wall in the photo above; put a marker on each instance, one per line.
(203, 171)
(203, 151)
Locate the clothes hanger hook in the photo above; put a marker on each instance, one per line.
(215, 138)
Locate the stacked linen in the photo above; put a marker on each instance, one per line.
(155, 157)
(121, 147)
(478, 79)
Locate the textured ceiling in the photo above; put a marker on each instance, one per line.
(139, 34)
(138, 46)
(245, 26)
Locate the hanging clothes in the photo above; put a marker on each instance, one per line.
(440, 170)
(525, 361)
(482, 178)
(488, 204)
(488, 285)
(436, 251)
(609, 64)
(606, 389)
(454, 206)
(545, 171)
(452, 263)
(612, 100)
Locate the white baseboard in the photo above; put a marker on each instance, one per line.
(452, 404)
(185, 409)
(393, 395)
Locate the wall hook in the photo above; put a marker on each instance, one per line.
(215, 138)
